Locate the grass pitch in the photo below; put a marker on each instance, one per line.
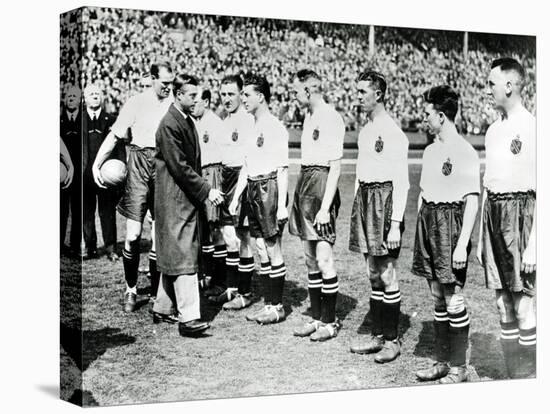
(127, 359)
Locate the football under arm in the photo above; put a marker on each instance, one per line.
(105, 149)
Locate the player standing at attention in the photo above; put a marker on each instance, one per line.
(210, 132)
(239, 262)
(264, 175)
(316, 203)
(141, 114)
(447, 209)
(508, 233)
(377, 216)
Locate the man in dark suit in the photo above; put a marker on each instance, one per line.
(180, 192)
(96, 125)
(71, 134)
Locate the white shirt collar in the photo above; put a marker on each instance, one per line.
(94, 113)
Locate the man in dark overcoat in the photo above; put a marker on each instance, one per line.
(180, 193)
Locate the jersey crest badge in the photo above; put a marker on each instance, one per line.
(315, 135)
(379, 144)
(447, 167)
(515, 145)
(235, 136)
(205, 137)
(260, 141)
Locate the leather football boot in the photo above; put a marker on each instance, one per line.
(367, 346)
(436, 371)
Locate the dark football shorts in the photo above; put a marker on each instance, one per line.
(212, 173)
(139, 189)
(438, 228)
(371, 219)
(308, 197)
(261, 205)
(230, 176)
(507, 222)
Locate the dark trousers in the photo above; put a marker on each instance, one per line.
(71, 200)
(106, 201)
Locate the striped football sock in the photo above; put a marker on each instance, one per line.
(441, 331)
(329, 292)
(459, 326)
(265, 271)
(155, 274)
(277, 281)
(130, 261)
(391, 305)
(218, 258)
(315, 283)
(509, 337)
(376, 307)
(246, 267)
(232, 270)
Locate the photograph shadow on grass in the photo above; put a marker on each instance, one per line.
(344, 305)
(486, 356)
(425, 345)
(293, 296)
(98, 341)
(366, 326)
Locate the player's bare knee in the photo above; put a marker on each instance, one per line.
(326, 265)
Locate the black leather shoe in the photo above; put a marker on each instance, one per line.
(161, 317)
(192, 328)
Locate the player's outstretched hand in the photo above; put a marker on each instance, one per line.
(529, 259)
(215, 196)
(97, 176)
(394, 236)
(69, 179)
(322, 223)
(460, 257)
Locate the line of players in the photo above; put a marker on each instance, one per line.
(245, 156)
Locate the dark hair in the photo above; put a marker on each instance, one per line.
(306, 74)
(508, 64)
(183, 79)
(206, 95)
(377, 79)
(155, 68)
(444, 99)
(260, 84)
(236, 79)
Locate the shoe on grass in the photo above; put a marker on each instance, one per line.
(130, 300)
(368, 345)
(436, 371)
(325, 332)
(389, 352)
(307, 328)
(273, 314)
(455, 375)
(238, 302)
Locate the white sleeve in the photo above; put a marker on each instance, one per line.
(125, 119)
(336, 131)
(400, 178)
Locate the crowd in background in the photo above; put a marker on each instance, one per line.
(117, 47)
